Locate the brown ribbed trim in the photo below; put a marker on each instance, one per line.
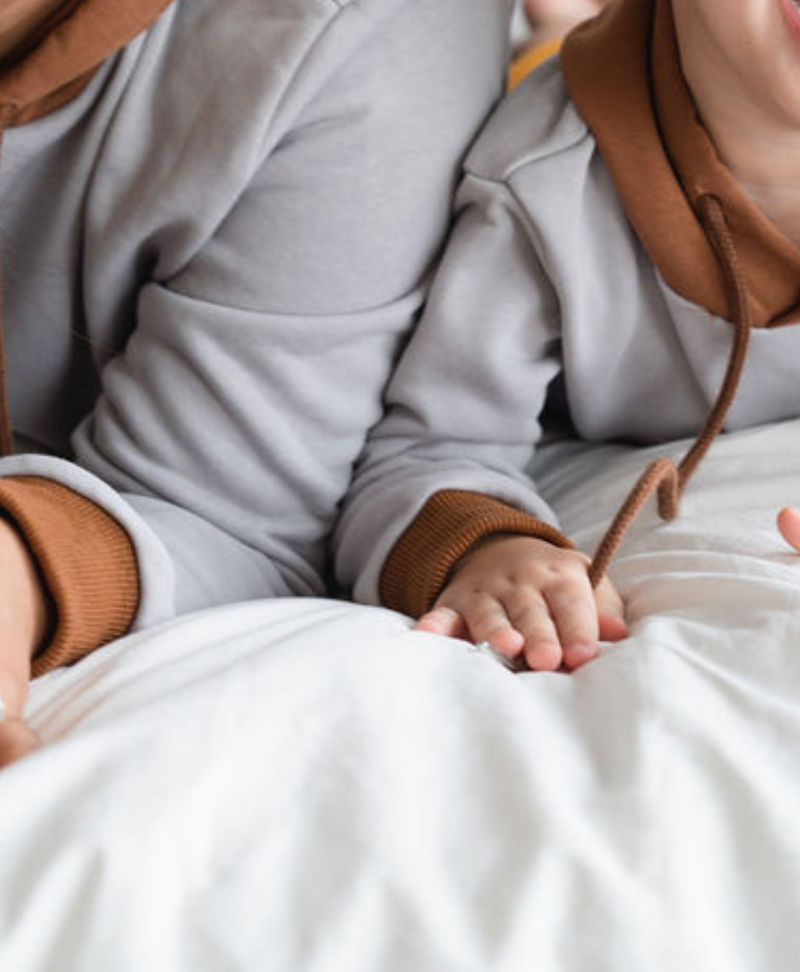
(623, 72)
(86, 560)
(450, 524)
(73, 43)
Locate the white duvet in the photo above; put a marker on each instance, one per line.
(309, 786)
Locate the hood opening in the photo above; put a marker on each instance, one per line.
(707, 239)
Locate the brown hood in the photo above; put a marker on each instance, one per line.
(623, 72)
(707, 239)
(70, 46)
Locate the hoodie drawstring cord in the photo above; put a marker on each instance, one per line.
(663, 475)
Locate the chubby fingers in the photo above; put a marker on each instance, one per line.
(547, 627)
(443, 620)
(527, 597)
(481, 618)
(570, 600)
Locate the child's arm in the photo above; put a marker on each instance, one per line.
(529, 599)
(462, 410)
(443, 481)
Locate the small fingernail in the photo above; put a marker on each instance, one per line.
(585, 651)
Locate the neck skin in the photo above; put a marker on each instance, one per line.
(18, 20)
(758, 141)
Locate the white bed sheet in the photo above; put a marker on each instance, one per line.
(308, 786)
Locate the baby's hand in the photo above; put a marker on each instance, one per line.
(789, 525)
(528, 597)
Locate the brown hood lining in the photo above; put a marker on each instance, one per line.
(66, 51)
(623, 72)
(708, 240)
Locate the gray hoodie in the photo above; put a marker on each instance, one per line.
(547, 316)
(215, 236)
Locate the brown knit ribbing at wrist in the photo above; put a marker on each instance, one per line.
(450, 524)
(86, 561)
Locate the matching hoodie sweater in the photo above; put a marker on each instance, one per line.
(606, 278)
(216, 226)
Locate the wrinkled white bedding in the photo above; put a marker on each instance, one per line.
(310, 787)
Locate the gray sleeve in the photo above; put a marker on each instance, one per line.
(464, 403)
(230, 425)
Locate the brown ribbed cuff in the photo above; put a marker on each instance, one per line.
(450, 524)
(86, 560)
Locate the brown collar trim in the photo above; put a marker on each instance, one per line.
(770, 261)
(74, 42)
(661, 161)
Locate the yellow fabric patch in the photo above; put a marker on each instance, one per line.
(529, 60)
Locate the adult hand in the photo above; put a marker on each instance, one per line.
(23, 626)
(528, 598)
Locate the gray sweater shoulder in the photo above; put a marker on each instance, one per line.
(536, 121)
